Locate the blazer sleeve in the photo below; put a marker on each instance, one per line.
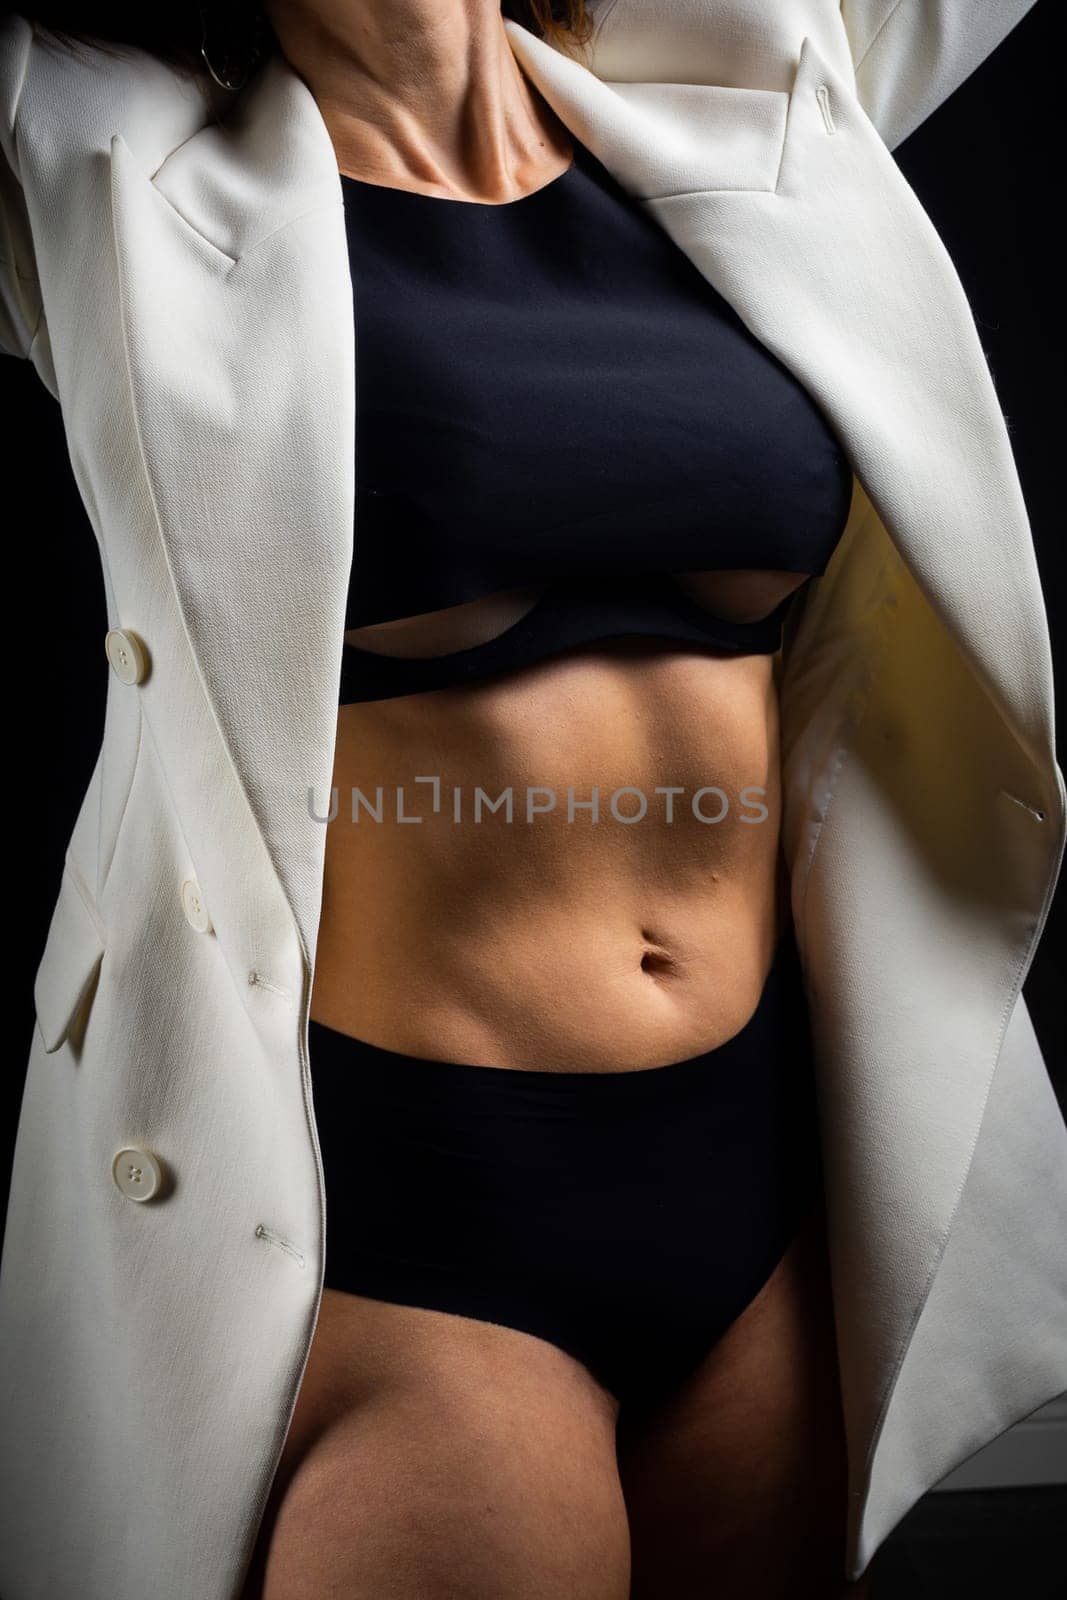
(910, 55)
(21, 309)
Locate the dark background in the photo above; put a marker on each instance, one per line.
(987, 167)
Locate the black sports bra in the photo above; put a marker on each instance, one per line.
(549, 392)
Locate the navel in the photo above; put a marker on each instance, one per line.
(656, 960)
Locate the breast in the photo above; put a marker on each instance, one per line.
(551, 389)
(744, 596)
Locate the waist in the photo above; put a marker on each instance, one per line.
(621, 975)
(778, 1015)
(557, 864)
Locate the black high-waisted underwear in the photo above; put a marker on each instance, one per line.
(628, 1216)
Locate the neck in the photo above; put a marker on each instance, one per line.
(424, 94)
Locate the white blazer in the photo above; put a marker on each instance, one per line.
(182, 288)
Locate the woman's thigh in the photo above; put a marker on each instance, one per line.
(435, 1455)
(736, 1486)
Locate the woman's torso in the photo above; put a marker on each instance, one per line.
(551, 399)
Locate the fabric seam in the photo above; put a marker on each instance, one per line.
(882, 26)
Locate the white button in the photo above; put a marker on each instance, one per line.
(194, 907)
(137, 1172)
(127, 654)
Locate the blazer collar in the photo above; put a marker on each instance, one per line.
(269, 158)
(262, 165)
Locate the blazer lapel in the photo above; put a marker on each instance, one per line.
(238, 324)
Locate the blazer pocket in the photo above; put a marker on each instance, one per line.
(70, 963)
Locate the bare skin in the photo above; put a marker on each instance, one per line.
(434, 1455)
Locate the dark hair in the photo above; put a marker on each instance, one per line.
(173, 32)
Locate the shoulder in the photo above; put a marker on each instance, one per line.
(909, 56)
(60, 104)
(905, 57)
(59, 111)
